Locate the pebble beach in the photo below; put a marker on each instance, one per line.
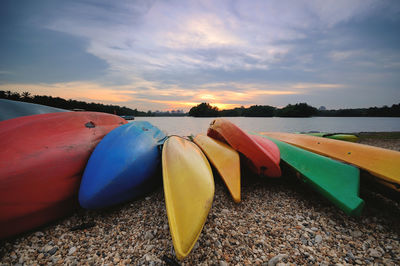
(278, 222)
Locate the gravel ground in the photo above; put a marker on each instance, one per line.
(278, 222)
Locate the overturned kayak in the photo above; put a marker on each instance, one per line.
(264, 159)
(41, 163)
(123, 166)
(336, 181)
(380, 162)
(225, 159)
(189, 192)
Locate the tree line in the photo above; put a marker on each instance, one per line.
(385, 111)
(296, 110)
(205, 109)
(58, 102)
(292, 110)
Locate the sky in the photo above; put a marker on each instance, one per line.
(165, 55)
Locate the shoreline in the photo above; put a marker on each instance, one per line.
(276, 217)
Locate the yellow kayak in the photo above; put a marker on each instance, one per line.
(189, 192)
(382, 163)
(225, 159)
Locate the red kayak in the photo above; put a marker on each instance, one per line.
(264, 155)
(42, 158)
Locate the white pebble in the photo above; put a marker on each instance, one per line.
(71, 250)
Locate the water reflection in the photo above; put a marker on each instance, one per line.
(185, 126)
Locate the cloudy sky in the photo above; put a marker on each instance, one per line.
(163, 55)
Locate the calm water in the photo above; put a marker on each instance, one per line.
(189, 125)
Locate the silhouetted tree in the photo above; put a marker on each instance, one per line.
(259, 111)
(26, 95)
(204, 110)
(297, 110)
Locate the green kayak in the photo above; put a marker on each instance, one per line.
(338, 136)
(336, 181)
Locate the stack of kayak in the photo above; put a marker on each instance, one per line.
(50, 162)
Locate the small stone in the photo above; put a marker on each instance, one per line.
(147, 198)
(276, 259)
(148, 257)
(148, 235)
(350, 255)
(71, 250)
(374, 253)
(225, 211)
(225, 243)
(39, 234)
(41, 255)
(356, 233)
(311, 232)
(318, 239)
(223, 263)
(55, 259)
(314, 229)
(332, 253)
(47, 248)
(52, 251)
(148, 248)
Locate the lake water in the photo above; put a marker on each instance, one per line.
(185, 126)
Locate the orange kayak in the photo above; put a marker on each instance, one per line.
(264, 158)
(225, 159)
(382, 163)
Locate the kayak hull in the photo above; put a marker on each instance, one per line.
(336, 181)
(41, 164)
(380, 162)
(264, 159)
(225, 159)
(123, 166)
(189, 192)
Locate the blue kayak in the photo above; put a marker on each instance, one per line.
(123, 166)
